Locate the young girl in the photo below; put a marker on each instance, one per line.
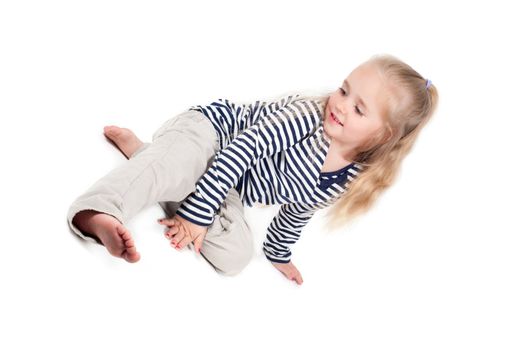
(302, 152)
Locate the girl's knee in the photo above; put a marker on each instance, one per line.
(228, 263)
(229, 245)
(234, 266)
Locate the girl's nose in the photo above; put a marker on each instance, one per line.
(339, 109)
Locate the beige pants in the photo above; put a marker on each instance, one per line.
(165, 171)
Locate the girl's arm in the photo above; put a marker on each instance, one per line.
(285, 230)
(271, 134)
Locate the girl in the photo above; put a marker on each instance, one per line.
(303, 152)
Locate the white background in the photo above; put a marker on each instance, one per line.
(438, 263)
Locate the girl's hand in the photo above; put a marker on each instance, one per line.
(290, 271)
(181, 232)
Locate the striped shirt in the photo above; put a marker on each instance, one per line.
(272, 153)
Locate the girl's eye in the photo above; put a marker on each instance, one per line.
(358, 110)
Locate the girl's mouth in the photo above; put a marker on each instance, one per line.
(332, 116)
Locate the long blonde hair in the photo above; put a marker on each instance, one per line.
(410, 107)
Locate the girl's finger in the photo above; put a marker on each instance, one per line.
(198, 242)
(178, 236)
(168, 222)
(172, 232)
(299, 279)
(174, 245)
(176, 242)
(184, 242)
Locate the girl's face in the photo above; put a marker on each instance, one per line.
(358, 105)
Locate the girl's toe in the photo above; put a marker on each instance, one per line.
(131, 257)
(129, 243)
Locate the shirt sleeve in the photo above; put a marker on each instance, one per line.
(285, 230)
(270, 134)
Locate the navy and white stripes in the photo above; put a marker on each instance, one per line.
(272, 152)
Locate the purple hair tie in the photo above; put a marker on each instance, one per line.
(428, 83)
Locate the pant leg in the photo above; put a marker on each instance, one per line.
(228, 245)
(165, 170)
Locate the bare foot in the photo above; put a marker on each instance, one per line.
(125, 139)
(112, 234)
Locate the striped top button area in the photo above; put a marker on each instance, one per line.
(272, 152)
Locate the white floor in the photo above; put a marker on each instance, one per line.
(438, 263)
